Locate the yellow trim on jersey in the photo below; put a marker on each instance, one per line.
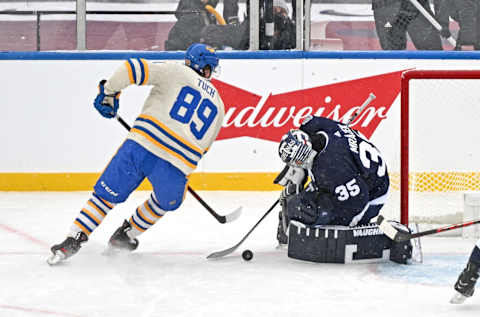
(146, 71)
(158, 144)
(130, 72)
(176, 136)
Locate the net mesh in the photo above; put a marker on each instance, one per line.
(443, 158)
(439, 181)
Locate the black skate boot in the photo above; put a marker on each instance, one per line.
(67, 248)
(465, 285)
(281, 233)
(121, 241)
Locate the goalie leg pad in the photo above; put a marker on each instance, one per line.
(338, 244)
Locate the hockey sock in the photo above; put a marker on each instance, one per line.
(91, 215)
(145, 216)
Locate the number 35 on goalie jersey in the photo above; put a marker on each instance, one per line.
(181, 116)
(350, 167)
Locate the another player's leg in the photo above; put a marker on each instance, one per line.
(465, 285)
(117, 181)
(169, 185)
(144, 217)
(89, 218)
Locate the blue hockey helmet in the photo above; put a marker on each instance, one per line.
(295, 149)
(201, 56)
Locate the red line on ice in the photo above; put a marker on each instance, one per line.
(24, 235)
(43, 311)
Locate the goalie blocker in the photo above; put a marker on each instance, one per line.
(340, 244)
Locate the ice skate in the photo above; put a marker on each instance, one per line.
(465, 285)
(67, 248)
(120, 241)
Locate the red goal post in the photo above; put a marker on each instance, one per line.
(448, 101)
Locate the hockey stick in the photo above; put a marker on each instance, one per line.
(359, 110)
(432, 21)
(399, 236)
(222, 219)
(219, 254)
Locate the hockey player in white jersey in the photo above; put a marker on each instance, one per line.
(179, 121)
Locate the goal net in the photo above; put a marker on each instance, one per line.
(439, 176)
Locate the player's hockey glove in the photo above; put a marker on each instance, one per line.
(106, 102)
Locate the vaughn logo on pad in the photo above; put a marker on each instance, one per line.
(270, 117)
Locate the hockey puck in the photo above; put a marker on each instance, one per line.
(247, 255)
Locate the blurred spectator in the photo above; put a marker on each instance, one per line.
(192, 17)
(230, 11)
(465, 13)
(395, 18)
(236, 36)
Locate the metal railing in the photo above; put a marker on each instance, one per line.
(81, 26)
(302, 36)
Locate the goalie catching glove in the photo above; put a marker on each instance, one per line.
(107, 101)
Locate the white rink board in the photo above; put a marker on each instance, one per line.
(50, 124)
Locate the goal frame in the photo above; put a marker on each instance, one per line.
(404, 124)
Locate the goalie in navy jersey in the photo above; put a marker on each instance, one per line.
(348, 187)
(349, 178)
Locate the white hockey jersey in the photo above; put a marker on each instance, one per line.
(181, 116)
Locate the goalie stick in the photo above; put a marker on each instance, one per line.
(222, 219)
(359, 110)
(219, 254)
(399, 236)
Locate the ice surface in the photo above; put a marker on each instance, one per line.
(169, 275)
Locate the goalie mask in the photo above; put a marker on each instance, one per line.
(295, 149)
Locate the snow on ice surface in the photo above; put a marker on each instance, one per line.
(169, 275)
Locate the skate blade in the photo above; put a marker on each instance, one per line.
(55, 258)
(458, 298)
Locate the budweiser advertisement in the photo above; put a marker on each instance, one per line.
(270, 116)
